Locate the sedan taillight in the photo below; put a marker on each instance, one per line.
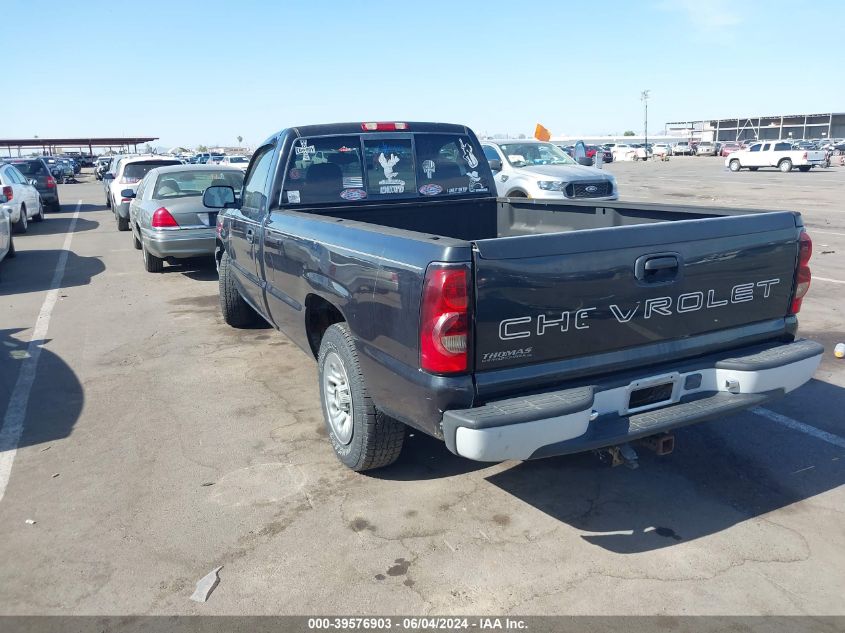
(162, 219)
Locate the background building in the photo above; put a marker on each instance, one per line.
(795, 126)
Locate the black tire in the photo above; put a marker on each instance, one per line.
(56, 207)
(23, 223)
(734, 165)
(40, 216)
(785, 165)
(804, 168)
(236, 311)
(11, 252)
(135, 241)
(152, 264)
(108, 202)
(122, 223)
(376, 439)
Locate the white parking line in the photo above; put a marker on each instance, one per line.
(833, 281)
(10, 432)
(795, 425)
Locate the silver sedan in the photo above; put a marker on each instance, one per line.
(167, 216)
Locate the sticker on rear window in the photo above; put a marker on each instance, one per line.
(430, 189)
(475, 182)
(469, 157)
(353, 194)
(305, 151)
(429, 168)
(390, 184)
(293, 197)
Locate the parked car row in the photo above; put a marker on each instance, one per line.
(27, 191)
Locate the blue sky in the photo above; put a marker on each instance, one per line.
(207, 71)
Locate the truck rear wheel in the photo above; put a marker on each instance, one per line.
(734, 165)
(363, 438)
(785, 165)
(236, 311)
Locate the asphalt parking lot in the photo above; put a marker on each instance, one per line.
(158, 444)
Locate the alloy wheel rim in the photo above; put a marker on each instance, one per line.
(338, 397)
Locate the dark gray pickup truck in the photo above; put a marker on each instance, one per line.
(509, 328)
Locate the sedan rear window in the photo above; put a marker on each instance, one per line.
(187, 184)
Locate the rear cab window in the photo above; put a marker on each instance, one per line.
(381, 167)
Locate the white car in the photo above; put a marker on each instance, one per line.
(629, 151)
(7, 246)
(705, 148)
(241, 162)
(774, 154)
(661, 149)
(21, 200)
(129, 171)
(536, 169)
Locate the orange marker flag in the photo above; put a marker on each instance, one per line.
(541, 133)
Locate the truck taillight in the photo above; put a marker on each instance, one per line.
(444, 319)
(802, 273)
(8, 193)
(162, 219)
(383, 126)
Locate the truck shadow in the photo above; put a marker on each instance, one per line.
(721, 473)
(56, 399)
(424, 457)
(32, 271)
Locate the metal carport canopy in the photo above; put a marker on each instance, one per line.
(90, 141)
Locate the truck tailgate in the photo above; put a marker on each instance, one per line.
(557, 296)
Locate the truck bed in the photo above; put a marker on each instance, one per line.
(486, 219)
(557, 283)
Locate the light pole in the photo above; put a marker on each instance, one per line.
(644, 99)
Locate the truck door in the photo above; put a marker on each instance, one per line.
(246, 227)
(754, 158)
(768, 156)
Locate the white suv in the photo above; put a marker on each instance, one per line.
(128, 172)
(19, 198)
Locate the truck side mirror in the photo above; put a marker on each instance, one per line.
(219, 197)
(495, 164)
(583, 160)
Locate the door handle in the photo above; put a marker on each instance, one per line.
(250, 236)
(661, 263)
(658, 268)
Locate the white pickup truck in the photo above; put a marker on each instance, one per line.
(774, 154)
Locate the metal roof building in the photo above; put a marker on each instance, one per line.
(795, 126)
